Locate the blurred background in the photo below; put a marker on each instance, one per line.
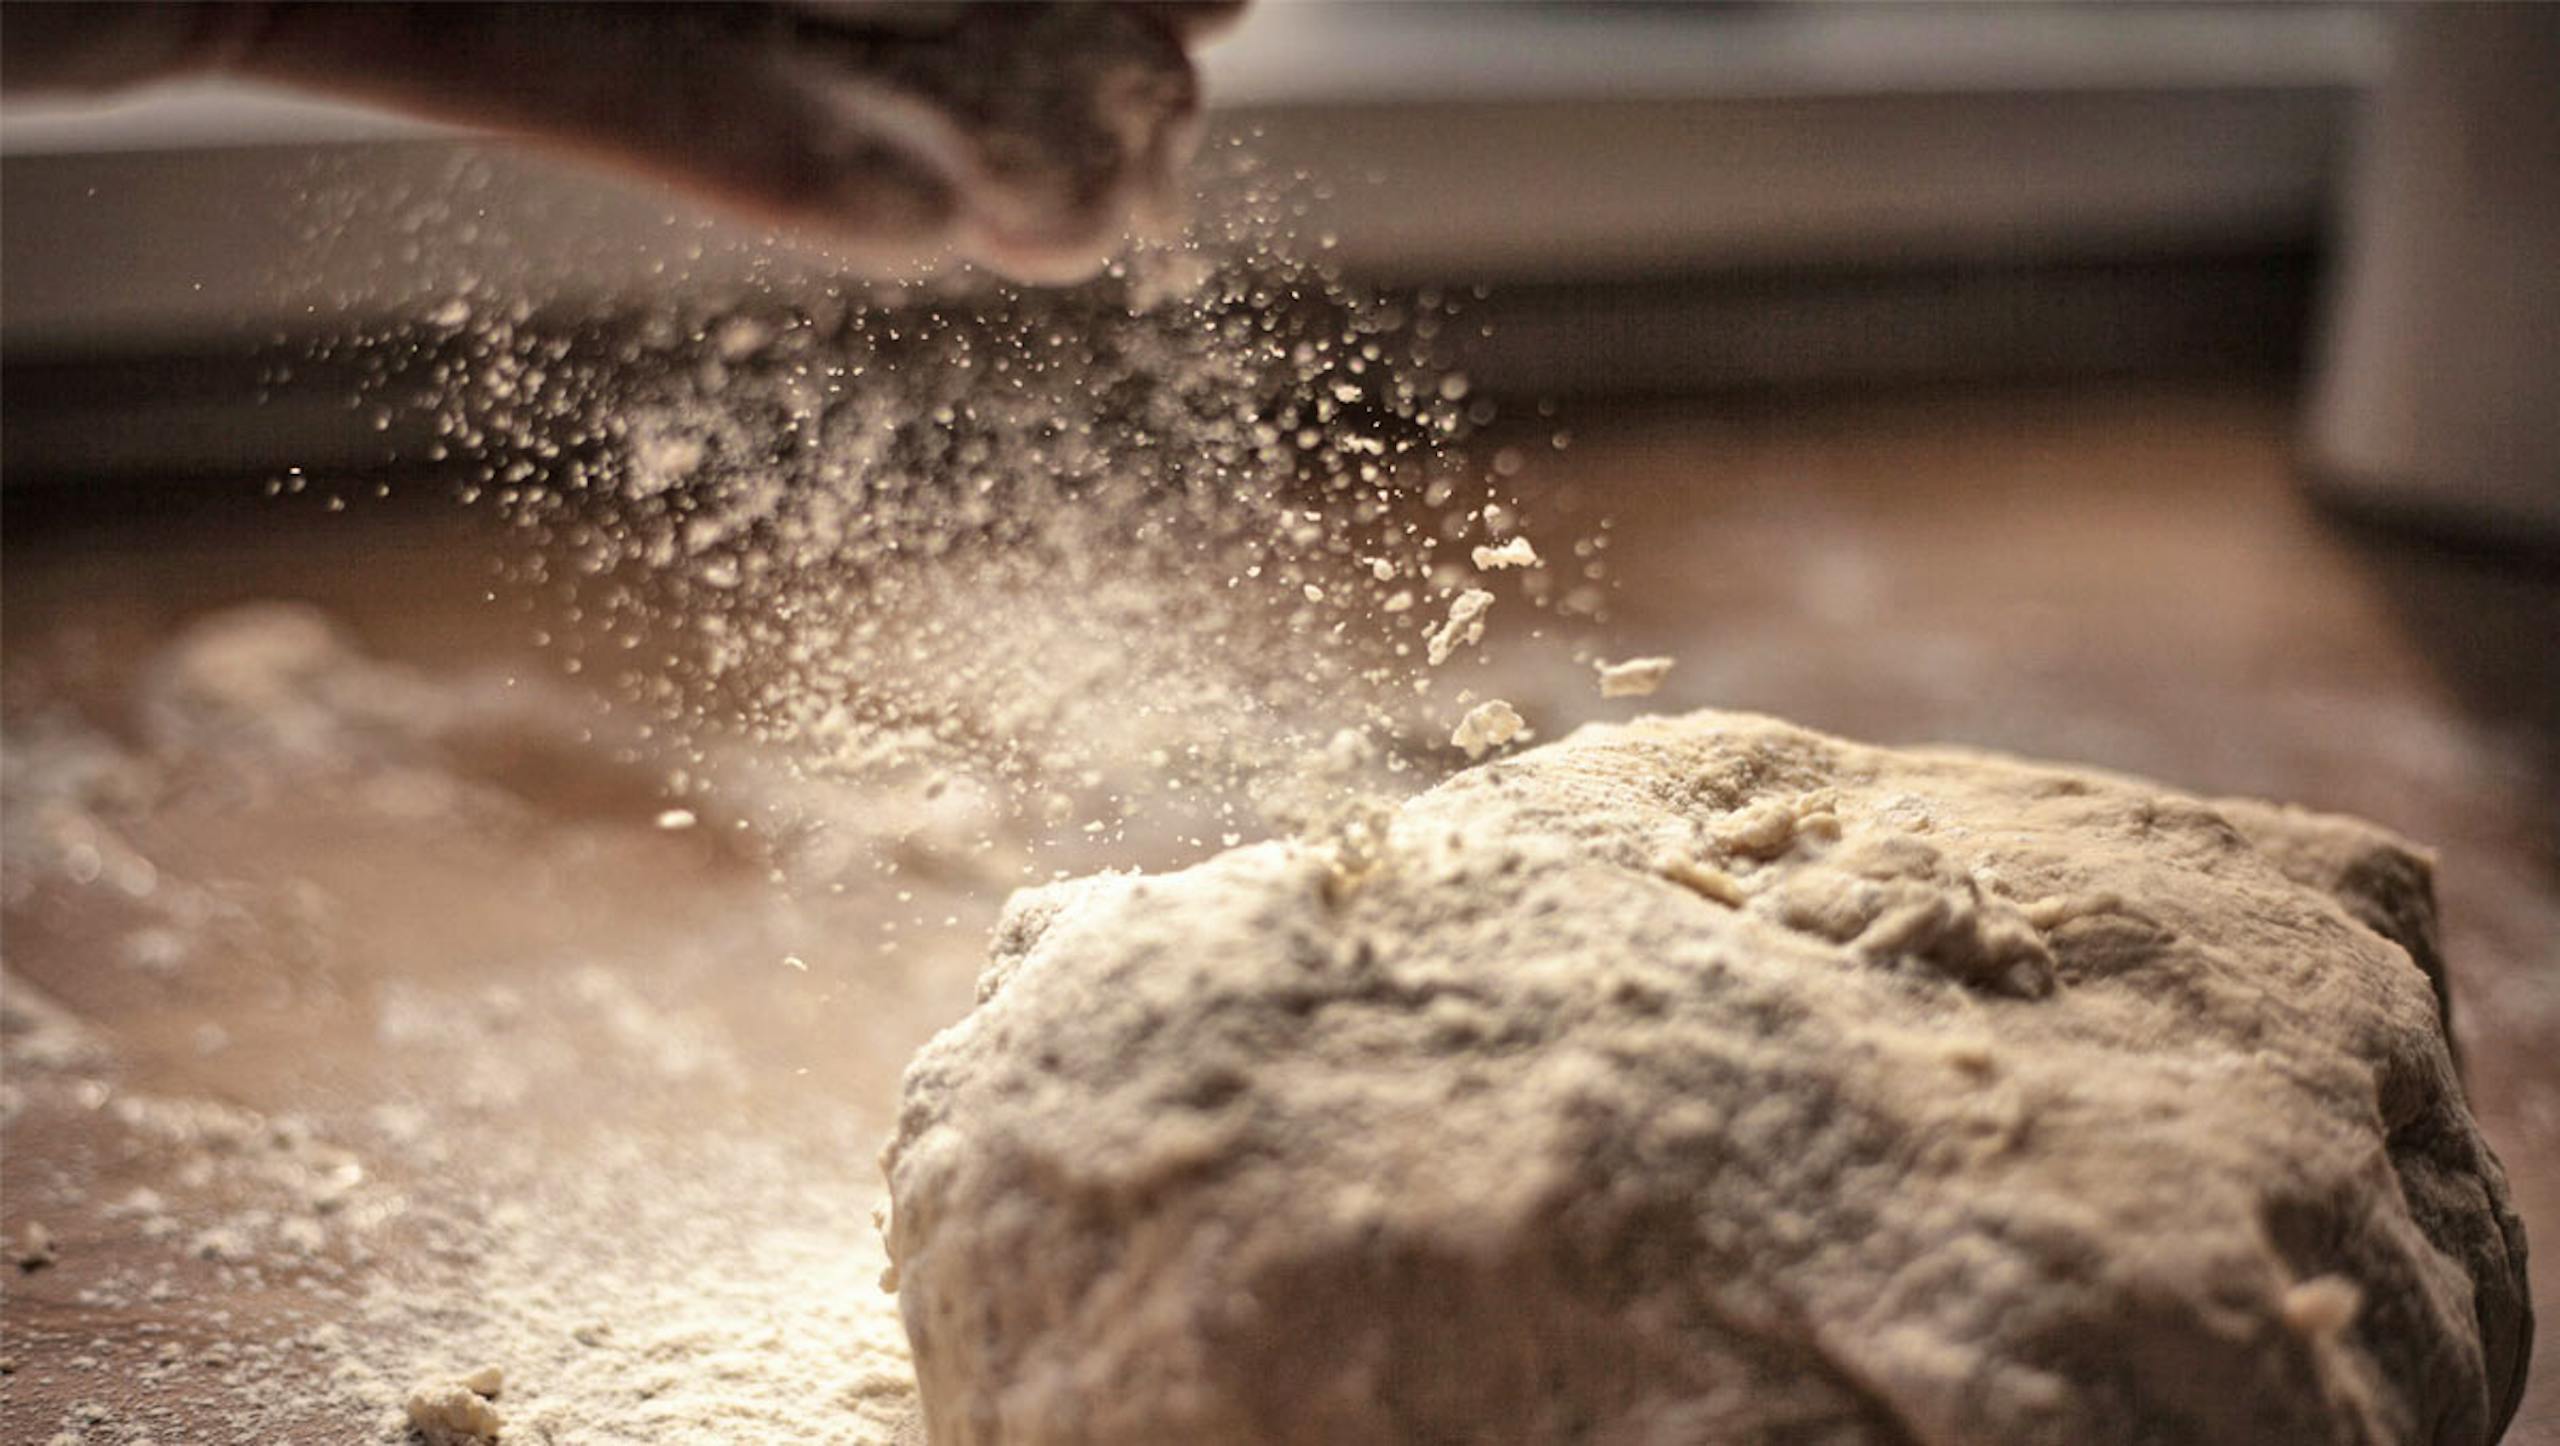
(1668, 198)
(2166, 387)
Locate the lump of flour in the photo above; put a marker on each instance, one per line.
(457, 1411)
(1707, 1079)
(1487, 726)
(1464, 625)
(1634, 678)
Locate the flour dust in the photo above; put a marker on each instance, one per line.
(1193, 544)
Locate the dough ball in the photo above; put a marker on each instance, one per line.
(1710, 1080)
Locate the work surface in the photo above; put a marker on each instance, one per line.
(370, 1020)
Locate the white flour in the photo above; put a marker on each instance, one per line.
(672, 1269)
(1487, 726)
(1464, 625)
(1141, 544)
(1634, 678)
(918, 579)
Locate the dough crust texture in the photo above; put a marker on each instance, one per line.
(1704, 1080)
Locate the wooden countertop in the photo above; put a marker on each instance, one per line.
(472, 956)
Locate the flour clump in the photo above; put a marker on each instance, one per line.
(458, 1411)
(1464, 625)
(1634, 678)
(1709, 1079)
(1487, 726)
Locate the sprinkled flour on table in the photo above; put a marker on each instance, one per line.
(563, 1173)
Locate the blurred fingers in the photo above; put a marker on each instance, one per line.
(1026, 136)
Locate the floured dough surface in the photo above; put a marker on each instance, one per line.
(1710, 1080)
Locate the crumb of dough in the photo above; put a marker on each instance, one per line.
(1465, 624)
(1705, 880)
(456, 1411)
(35, 1248)
(1487, 726)
(1634, 678)
(1762, 830)
(1515, 553)
(677, 818)
(2053, 912)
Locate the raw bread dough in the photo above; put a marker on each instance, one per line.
(1710, 1080)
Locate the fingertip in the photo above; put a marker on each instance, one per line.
(888, 197)
(1193, 22)
(874, 209)
(1042, 264)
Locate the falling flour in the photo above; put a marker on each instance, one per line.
(1487, 726)
(1463, 626)
(1518, 552)
(1031, 561)
(1634, 678)
(811, 518)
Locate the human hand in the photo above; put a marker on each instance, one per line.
(1025, 136)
